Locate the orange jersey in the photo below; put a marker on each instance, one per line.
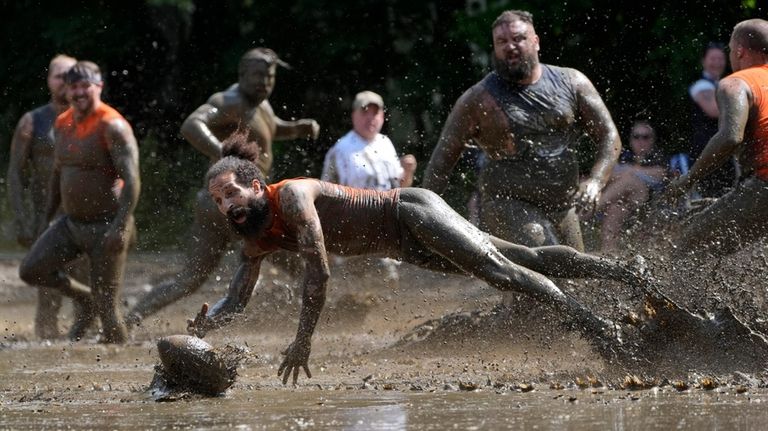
(88, 174)
(756, 155)
(354, 221)
(272, 237)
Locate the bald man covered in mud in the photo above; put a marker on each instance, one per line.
(243, 105)
(740, 217)
(95, 180)
(315, 218)
(29, 172)
(526, 117)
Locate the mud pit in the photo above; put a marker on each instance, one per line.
(435, 352)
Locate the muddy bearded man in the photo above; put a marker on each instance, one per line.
(526, 116)
(29, 172)
(95, 180)
(414, 225)
(739, 217)
(244, 105)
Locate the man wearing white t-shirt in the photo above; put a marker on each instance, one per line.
(365, 158)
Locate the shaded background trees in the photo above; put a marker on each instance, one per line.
(163, 58)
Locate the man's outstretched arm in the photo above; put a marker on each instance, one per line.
(297, 202)
(239, 293)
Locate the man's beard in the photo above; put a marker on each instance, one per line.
(256, 218)
(517, 72)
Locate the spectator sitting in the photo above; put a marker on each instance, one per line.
(641, 170)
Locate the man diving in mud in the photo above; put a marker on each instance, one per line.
(526, 117)
(243, 105)
(740, 217)
(315, 218)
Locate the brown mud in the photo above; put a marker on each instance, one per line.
(433, 335)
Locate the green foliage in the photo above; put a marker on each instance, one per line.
(163, 58)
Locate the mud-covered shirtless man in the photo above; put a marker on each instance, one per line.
(95, 179)
(415, 225)
(244, 105)
(740, 217)
(526, 117)
(29, 172)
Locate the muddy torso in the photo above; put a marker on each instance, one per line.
(89, 183)
(258, 120)
(528, 132)
(354, 222)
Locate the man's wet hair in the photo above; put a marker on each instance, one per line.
(753, 35)
(510, 16)
(239, 156)
(83, 71)
(261, 54)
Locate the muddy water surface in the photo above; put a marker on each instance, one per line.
(383, 357)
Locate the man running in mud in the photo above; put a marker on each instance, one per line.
(29, 172)
(740, 217)
(315, 218)
(526, 116)
(95, 178)
(243, 105)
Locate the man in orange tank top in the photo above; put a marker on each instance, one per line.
(414, 225)
(741, 216)
(95, 181)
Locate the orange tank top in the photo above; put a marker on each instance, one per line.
(757, 126)
(276, 233)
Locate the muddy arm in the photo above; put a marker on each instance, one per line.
(125, 156)
(227, 308)
(196, 129)
(458, 130)
(733, 98)
(297, 202)
(598, 124)
(20, 153)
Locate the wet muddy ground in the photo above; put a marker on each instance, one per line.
(435, 352)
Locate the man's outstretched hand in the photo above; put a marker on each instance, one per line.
(296, 358)
(200, 325)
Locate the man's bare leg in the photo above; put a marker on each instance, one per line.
(434, 226)
(44, 266)
(566, 262)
